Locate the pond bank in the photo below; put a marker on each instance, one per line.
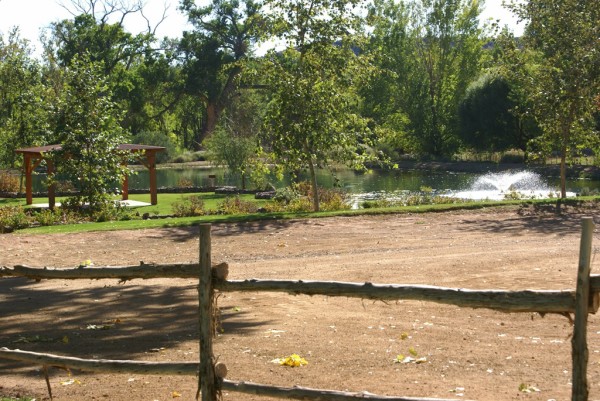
(575, 171)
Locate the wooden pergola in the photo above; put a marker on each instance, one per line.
(35, 155)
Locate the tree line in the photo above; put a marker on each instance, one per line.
(350, 81)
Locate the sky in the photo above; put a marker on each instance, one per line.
(31, 16)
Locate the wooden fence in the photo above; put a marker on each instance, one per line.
(211, 374)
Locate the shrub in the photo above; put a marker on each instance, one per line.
(47, 217)
(512, 157)
(189, 206)
(13, 218)
(184, 183)
(297, 198)
(285, 195)
(9, 182)
(236, 205)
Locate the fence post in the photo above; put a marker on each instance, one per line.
(206, 373)
(580, 351)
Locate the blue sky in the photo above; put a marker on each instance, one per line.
(33, 15)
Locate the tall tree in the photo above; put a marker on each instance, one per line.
(213, 54)
(135, 64)
(488, 115)
(561, 84)
(311, 118)
(90, 136)
(23, 110)
(432, 49)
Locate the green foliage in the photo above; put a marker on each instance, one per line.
(24, 101)
(158, 138)
(90, 135)
(429, 51)
(12, 218)
(487, 121)
(215, 52)
(233, 150)
(47, 217)
(312, 116)
(298, 198)
(557, 69)
(189, 206)
(236, 205)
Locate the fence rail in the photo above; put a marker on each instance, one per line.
(583, 300)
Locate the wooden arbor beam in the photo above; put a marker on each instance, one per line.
(35, 155)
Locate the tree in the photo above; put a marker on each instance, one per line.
(488, 121)
(432, 50)
(214, 52)
(90, 136)
(564, 77)
(23, 110)
(234, 142)
(138, 68)
(311, 118)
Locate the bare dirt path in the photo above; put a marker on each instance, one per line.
(349, 344)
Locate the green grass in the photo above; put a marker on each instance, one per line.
(164, 206)
(166, 200)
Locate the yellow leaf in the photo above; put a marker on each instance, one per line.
(175, 394)
(65, 340)
(293, 360)
(412, 351)
(404, 336)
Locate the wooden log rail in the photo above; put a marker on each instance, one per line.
(191, 369)
(542, 301)
(584, 300)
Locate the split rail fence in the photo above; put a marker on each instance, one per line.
(211, 374)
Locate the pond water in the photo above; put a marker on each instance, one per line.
(370, 184)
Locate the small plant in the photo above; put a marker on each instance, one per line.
(184, 183)
(8, 182)
(12, 218)
(189, 206)
(47, 217)
(285, 195)
(236, 205)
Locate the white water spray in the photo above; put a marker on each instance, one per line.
(499, 186)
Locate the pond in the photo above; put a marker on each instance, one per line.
(375, 183)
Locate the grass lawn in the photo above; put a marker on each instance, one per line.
(159, 213)
(163, 208)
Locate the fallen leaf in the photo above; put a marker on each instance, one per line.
(293, 360)
(175, 394)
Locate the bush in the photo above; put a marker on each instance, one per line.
(189, 156)
(285, 195)
(47, 217)
(236, 205)
(184, 183)
(157, 138)
(9, 182)
(189, 206)
(512, 157)
(13, 218)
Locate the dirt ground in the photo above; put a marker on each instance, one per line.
(350, 344)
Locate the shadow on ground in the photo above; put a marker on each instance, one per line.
(104, 320)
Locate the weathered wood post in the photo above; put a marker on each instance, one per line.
(206, 373)
(580, 351)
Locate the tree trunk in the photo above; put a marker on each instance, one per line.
(313, 183)
(563, 173)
